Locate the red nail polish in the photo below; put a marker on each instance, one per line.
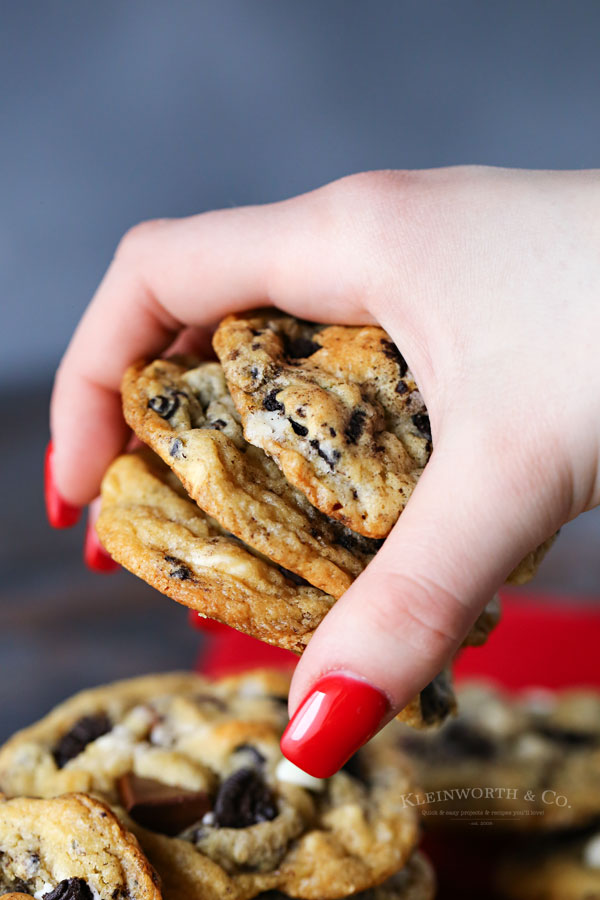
(94, 555)
(339, 715)
(60, 513)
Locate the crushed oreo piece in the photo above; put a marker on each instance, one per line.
(181, 572)
(299, 347)
(176, 449)
(70, 889)
(391, 351)
(250, 750)
(166, 405)
(302, 430)
(218, 424)
(82, 733)
(422, 424)
(401, 387)
(566, 736)
(461, 739)
(16, 886)
(271, 403)
(330, 460)
(354, 428)
(244, 799)
(436, 699)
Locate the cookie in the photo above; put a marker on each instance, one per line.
(562, 868)
(201, 760)
(337, 409)
(150, 526)
(530, 762)
(71, 848)
(186, 415)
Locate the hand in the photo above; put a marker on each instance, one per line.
(489, 283)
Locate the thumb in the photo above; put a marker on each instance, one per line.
(463, 531)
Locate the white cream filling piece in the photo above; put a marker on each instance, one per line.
(287, 771)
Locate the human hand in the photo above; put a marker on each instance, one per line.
(488, 281)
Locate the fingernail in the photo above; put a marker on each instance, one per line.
(61, 514)
(94, 555)
(340, 714)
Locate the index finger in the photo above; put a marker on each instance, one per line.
(166, 275)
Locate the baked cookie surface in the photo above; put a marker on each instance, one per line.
(202, 760)
(538, 754)
(562, 868)
(336, 408)
(186, 415)
(71, 848)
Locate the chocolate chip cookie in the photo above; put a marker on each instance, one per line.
(337, 409)
(198, 768)
(186, 415)
(529, 762)
(150, 525)
(71, 848)
(561, 868)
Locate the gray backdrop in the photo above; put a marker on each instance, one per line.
(120, 110)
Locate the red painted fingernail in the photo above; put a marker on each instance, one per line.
(94, 555)
(60, 513)
(339, 715)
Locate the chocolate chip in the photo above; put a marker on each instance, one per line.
(391, 351)
(251, 751)
(422, 424)
(436, 699)
(82, 733)
(243, 800)
(176, 449)
(164, 405)
(298, 428)
(70, 889)
(299, 348)
(354, 428)
(401, 387)
(161, 807)
(181, 572)
(271, 403)
(332, 459)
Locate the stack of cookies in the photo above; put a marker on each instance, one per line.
(274, 478)
(174, 786)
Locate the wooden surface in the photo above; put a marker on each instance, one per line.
(63, 628)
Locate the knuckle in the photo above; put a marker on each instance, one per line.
(136, 239)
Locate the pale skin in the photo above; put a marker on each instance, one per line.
(488, 280)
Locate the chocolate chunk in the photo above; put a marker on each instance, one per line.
(354, 428)
(330, 460)
(299, 348)
(391, 351)
(176, 449)
(298, 428)
(164, 405)
(180, 571)
(436, 699)
(401, 387)
(244, 800)
(271, 403)
(82, 733)
(250, 750)
(70, 889)
(161, 807)
(422, 424)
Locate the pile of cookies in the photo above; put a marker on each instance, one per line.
(175, 786)
(274, 477)
(528, 765)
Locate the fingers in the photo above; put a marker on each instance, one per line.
(406, 615)
(190, 272)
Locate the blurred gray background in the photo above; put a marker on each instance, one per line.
(115, 112)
